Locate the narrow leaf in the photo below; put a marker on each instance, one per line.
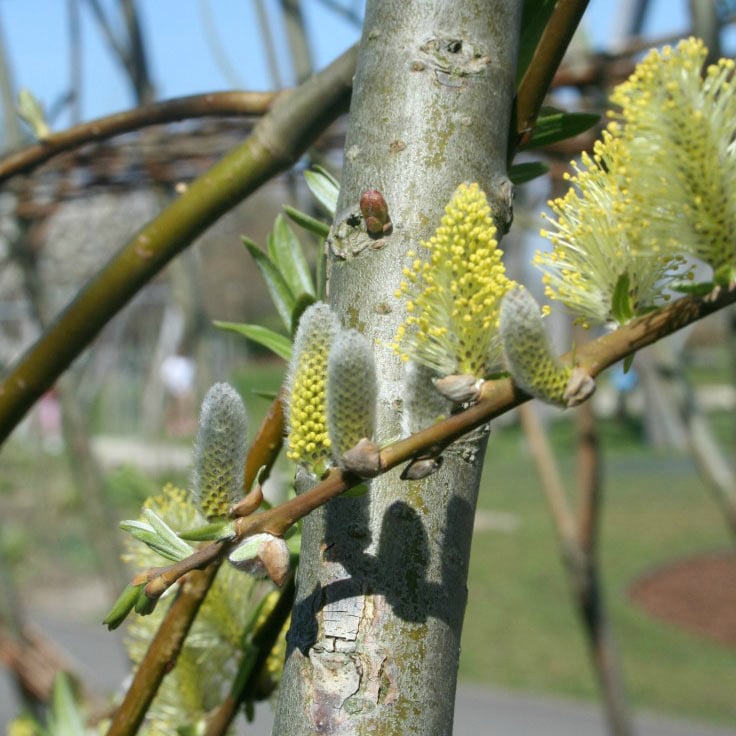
(269, 395)
(122, 607)
(700, 288)
(310, 224)
(281, 295)
(324, 187)
(558, 126)
(275, 342)
(522, 173)
(66, 719)
(287, 255)
(621, 307)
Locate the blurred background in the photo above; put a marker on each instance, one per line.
(121, 422)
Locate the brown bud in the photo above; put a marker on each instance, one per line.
(459, 388)
(249, 503)
(274, 554)
(421, 468)
(580, 387)
(375, 212)
(262, 555)
(364, 460)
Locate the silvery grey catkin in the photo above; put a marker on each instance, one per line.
(219, 452)
(351, 392)
(533, 366)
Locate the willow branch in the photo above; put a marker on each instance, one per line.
(265, 448)
(547, 57)
(162, 653)
(178, 618)
(496, 398)
(276, 143)
(170, 111)
(263, 641)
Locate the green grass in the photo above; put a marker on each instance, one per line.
(521, 629)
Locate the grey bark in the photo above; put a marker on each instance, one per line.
(375, 636)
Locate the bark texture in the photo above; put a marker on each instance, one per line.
(381, 588)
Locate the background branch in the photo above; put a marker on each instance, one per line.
(544, 64)
(276, 142)
(181, 108)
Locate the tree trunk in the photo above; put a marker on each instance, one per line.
(375, 635)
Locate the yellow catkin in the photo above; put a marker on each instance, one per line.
(306, 408)
(659, 189)
(454, 290)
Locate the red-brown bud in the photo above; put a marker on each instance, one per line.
(375, 211)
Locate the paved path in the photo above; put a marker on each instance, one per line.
(99, 657)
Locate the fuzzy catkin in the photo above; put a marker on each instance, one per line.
(306, 405)
(423, 404)
(351, 392)
(529, 357)
(219, 452)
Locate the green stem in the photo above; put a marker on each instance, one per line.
(275, 144)
(544, 64)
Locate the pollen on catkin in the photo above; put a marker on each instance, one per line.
(659, 190)
(453, 291)
(219, 451)
(351, 391)
(529, 358)
(679, 122)
(306, 404)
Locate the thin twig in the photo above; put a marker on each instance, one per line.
(547, 57)
(263, 641)
(275, 144)
(162, 652)
(169, 111)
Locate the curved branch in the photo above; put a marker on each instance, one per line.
(170, 111)
(275, 144)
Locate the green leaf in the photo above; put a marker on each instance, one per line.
(557, 126)
(534, 18)
(145, 605)
(522, 173)
(700, 288)
(287, 255)
(310, 224)
(324, 187)
(65, 718)
(628, 360)
(304, 301)
(275, 342)
(122, 606)
(207, 532)
(279, 290)
(621, 307)
(269, 395)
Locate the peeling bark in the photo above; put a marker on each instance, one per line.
(381, 588)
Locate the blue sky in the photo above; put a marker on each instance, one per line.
(35, 34)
